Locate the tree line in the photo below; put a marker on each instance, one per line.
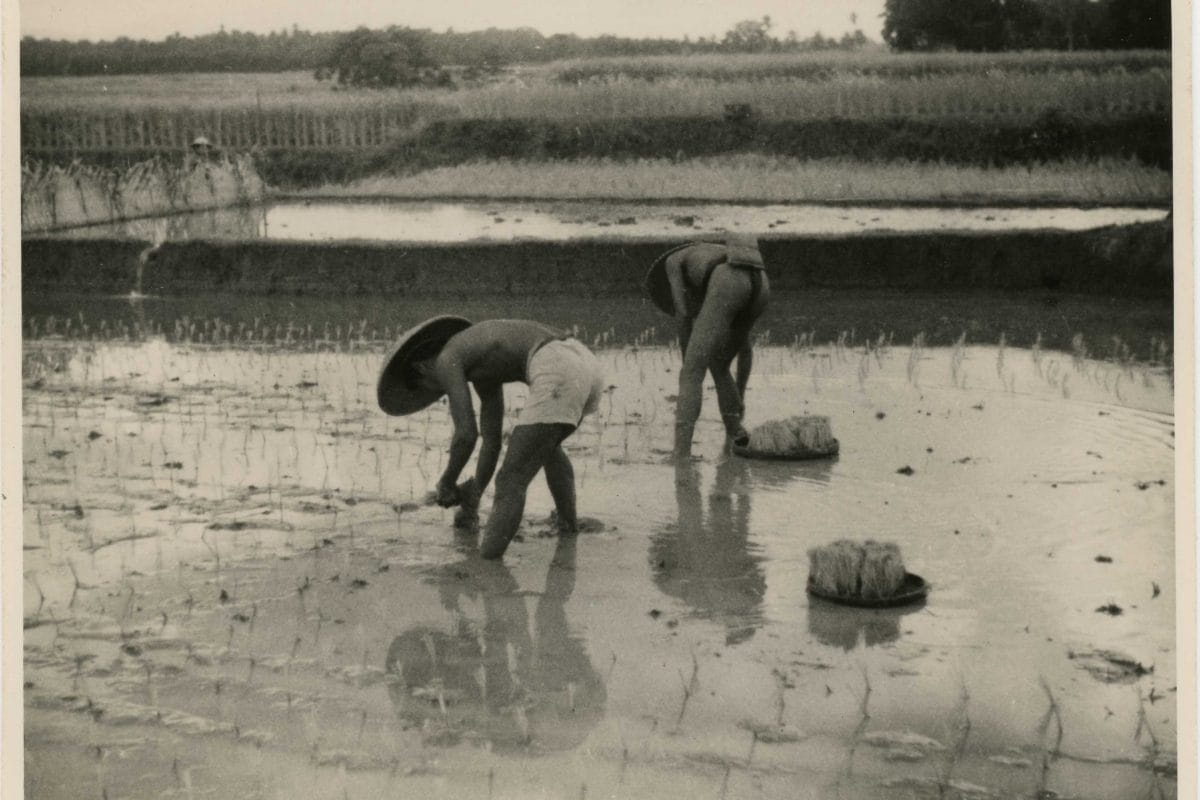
(995, 25)
(296, 49)
(402, 55)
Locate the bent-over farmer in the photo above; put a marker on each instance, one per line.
(715, 291)
(448, 355)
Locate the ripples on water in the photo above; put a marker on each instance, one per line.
(231, 584)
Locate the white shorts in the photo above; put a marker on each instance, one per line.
(565, 384)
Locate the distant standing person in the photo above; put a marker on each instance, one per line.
(716, 292)
(202, 151)
(448, 355)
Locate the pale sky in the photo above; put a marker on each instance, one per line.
(156, 19)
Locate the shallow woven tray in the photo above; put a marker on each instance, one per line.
(913, 590)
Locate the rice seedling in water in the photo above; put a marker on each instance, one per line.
(957, 356)
(1049, 751)
(860, 728)
(690, 686)
(962, 726)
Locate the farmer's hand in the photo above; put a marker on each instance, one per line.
(740, 437)
(447, 495)
(468, 494)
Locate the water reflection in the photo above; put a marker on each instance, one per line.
(558, 220)
(847, 627)
(236, 223)
(709, 561)
(495, 682)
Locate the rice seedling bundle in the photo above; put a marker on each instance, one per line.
(868, 570)
(794, 436)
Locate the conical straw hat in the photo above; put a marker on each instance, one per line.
(421, 341)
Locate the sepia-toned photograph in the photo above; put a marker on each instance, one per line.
(661, 399)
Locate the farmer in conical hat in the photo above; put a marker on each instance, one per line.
(715, 291)
(200, 151)
(447, 356)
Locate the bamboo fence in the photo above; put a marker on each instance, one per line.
(172, 130)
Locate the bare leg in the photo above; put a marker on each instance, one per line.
(560, 477)
(685, 333)
(529, 448)
(691, 388)
(740, 348)
(709, 351)
(745, 362)
(729, 399)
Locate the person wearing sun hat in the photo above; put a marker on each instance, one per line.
(447, 355)
(201, 151)
(716, 291)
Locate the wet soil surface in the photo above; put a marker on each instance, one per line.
(446, 222)
(233, 586)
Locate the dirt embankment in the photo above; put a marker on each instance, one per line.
(1133, 260)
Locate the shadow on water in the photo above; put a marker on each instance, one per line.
(847, 628)
(709, 560)
(493, 681)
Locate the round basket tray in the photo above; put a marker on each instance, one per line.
(798, 455)
(914, 589)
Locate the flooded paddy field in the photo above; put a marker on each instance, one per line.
(441, 222)
(1123, 327)
(233, 586)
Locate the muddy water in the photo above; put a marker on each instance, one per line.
(232, 586)
(446, 222)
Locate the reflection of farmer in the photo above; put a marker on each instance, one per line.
(518, 693)
(710, 563)
(715, 292)
(448, 356)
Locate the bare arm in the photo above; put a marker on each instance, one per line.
(675, 277)
(452, 377)
(491, 424)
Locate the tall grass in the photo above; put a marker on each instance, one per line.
(1005, 95)
(822, 66)
(752, 177)
(173, 128)
(684, 88)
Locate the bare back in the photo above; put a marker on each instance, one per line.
(697, 260)
(706, 273)
(496, 351)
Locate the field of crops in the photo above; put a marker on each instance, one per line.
(878, 62)
(1003, 94)
(990, 110)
